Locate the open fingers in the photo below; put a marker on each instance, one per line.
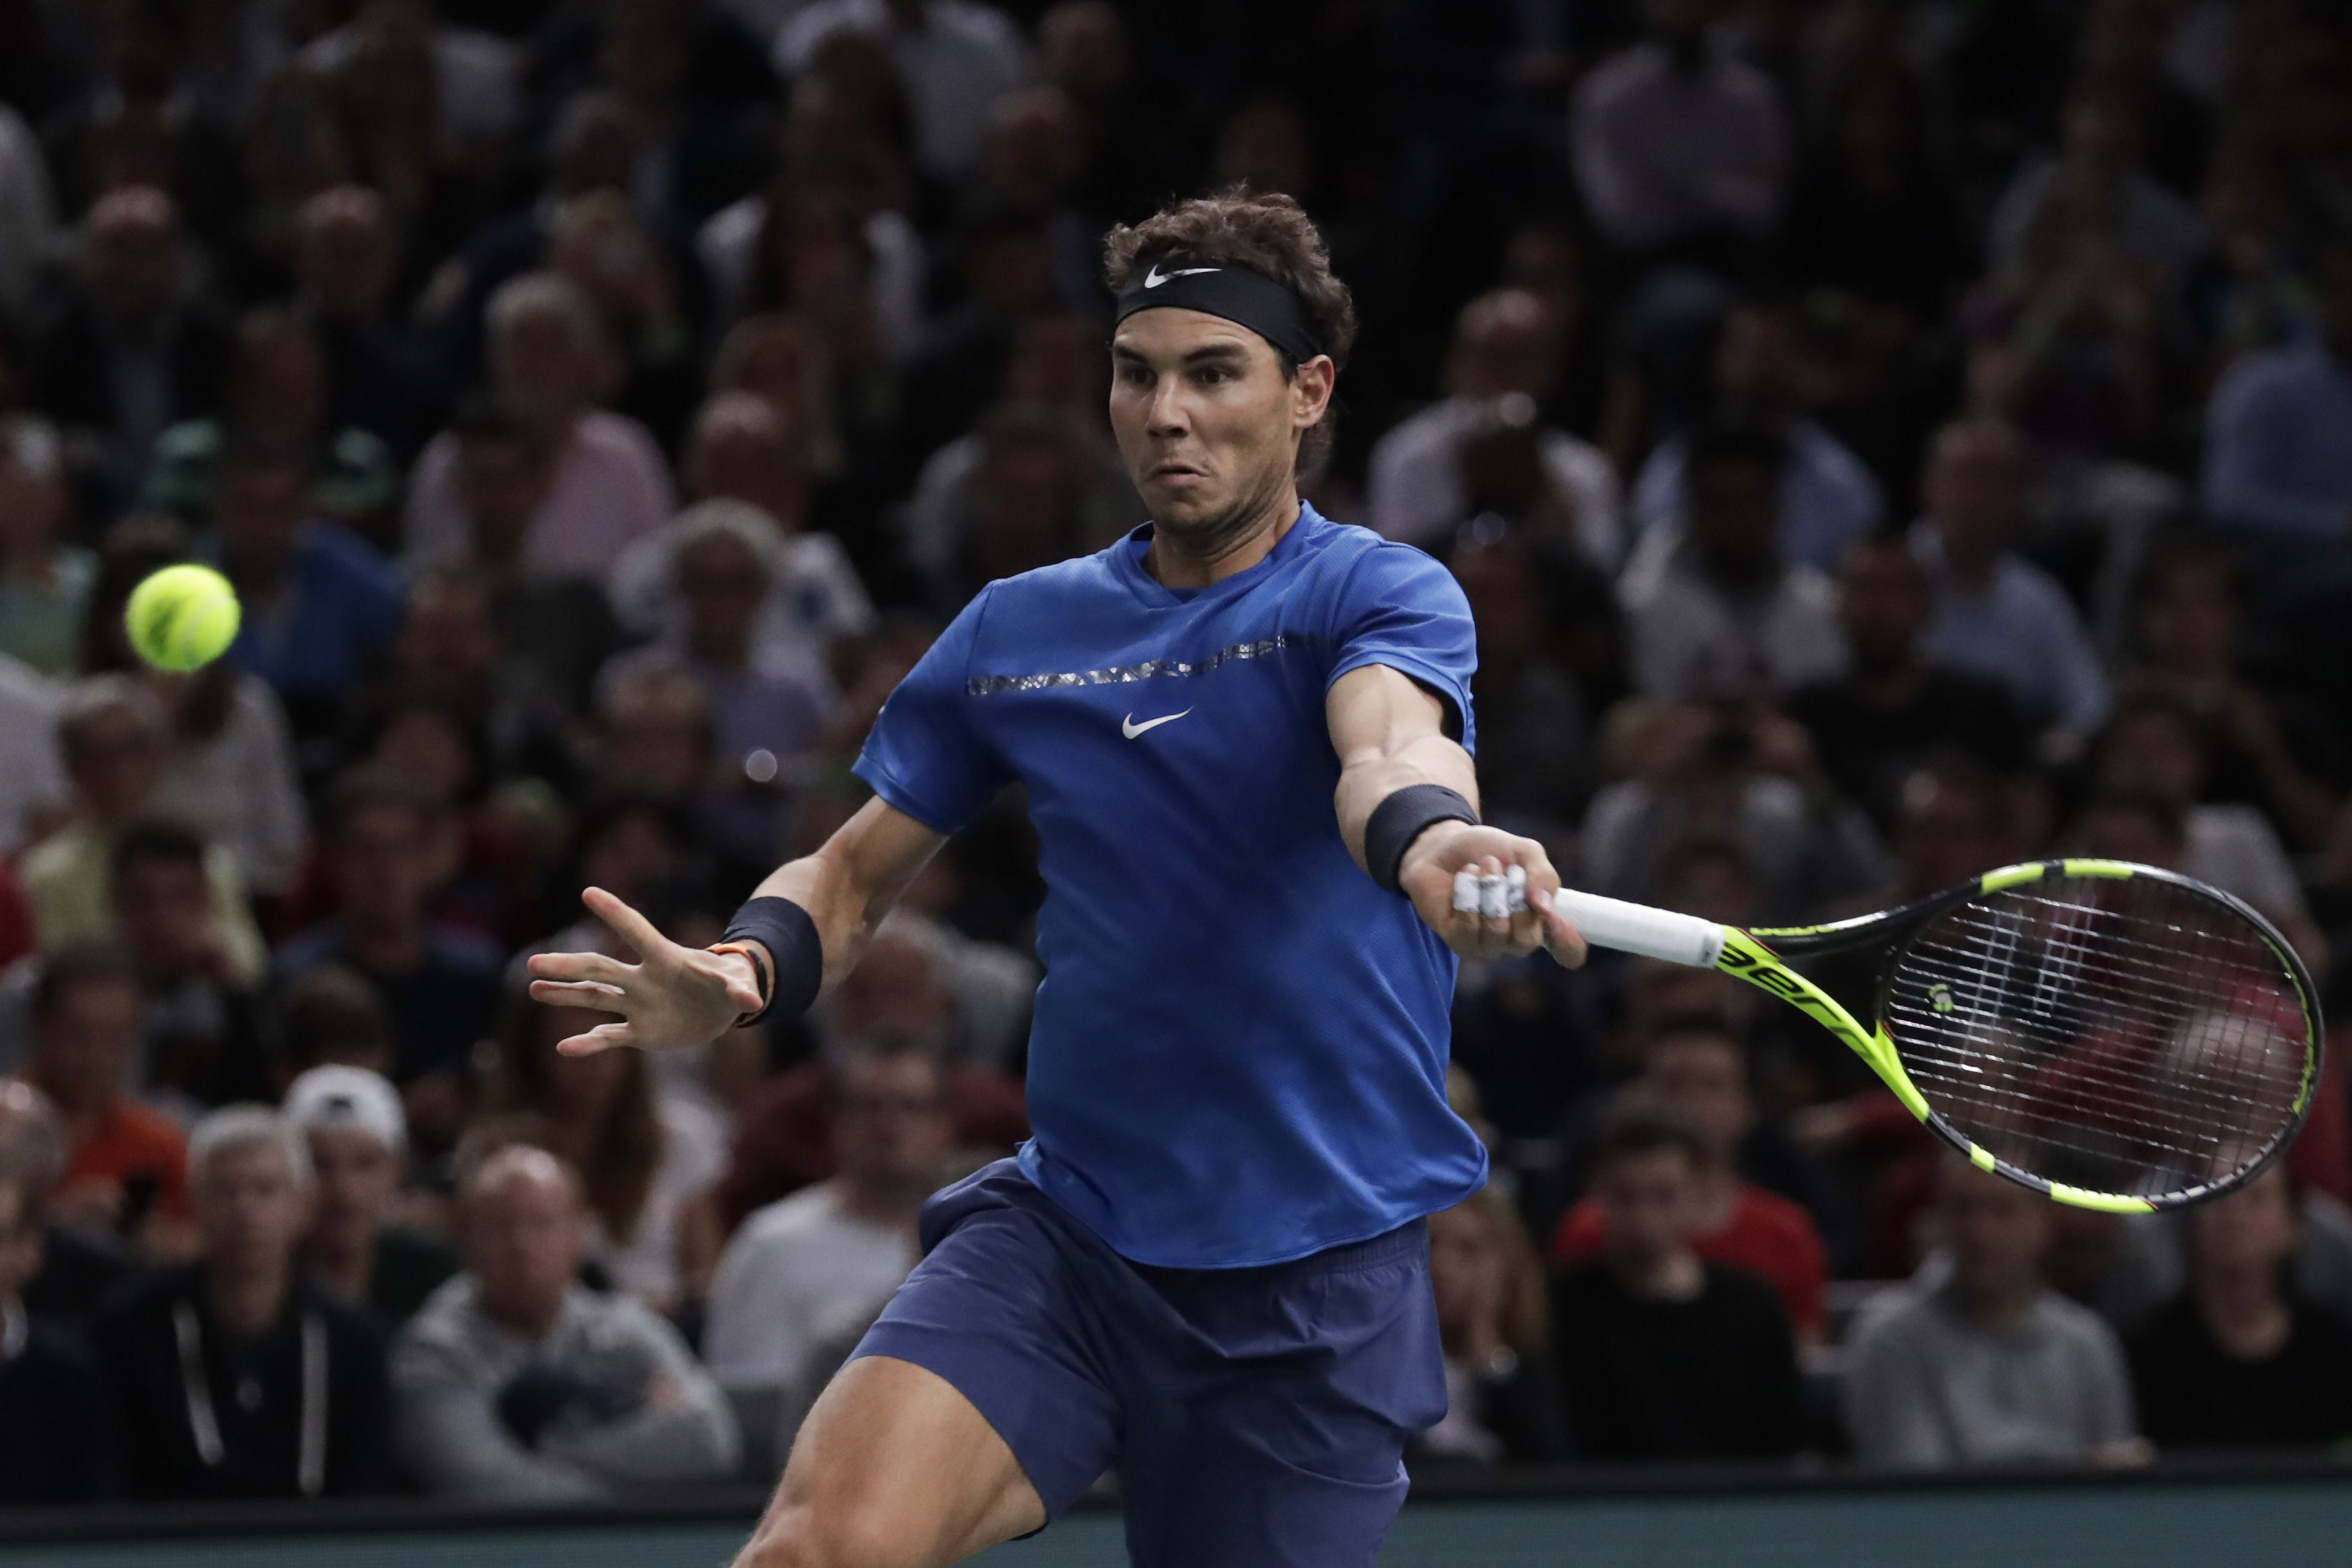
(632, 927)
(602, 1038)
(580, 994)
(601, 968)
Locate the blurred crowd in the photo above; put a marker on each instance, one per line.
(1879, 439)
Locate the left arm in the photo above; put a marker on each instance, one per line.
(1388, 733)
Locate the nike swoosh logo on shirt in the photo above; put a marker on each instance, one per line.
(1130, 729)
(1155, 278)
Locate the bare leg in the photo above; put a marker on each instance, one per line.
(894, 1468)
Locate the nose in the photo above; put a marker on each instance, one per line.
(1167, 417)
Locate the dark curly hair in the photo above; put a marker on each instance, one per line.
(1265, 232)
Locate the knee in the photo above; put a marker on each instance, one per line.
(809, 1537)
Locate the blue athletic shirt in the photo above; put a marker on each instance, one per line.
(1238, 1055)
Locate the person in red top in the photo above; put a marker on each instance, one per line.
(1700, 1069)
(126, 1169)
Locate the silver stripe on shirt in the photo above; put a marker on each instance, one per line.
(1120, 674)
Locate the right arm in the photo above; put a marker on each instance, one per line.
(678, 996)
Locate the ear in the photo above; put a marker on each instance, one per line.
(1310, 391)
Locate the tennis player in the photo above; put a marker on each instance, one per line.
(1246, 734)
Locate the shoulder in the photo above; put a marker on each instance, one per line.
(468, 951)
(335, 552)
(2074, 1324)
(1367, 569)
(2036, 590)
(2270, 372)
(1783, 1220)
(1896, 1317)
(444, 1323)
(788, 1222)
(616, 437)
(142, 1300)
(1619, 76)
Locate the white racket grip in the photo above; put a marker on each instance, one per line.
(1636, 928)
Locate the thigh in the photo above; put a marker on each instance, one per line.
(895, 1465)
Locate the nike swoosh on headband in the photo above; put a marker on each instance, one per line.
(1155, 278)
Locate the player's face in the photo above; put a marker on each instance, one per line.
(1207, 424)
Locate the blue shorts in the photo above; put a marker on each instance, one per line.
(1257, 1417)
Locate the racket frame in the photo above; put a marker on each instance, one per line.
(1762, 957)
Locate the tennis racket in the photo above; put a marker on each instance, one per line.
(2118, 1036)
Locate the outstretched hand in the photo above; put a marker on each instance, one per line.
(1446, 848)
(672, 998)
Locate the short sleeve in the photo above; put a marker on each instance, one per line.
(925, 754)
(1400, 607)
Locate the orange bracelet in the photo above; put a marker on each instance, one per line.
(759, 968)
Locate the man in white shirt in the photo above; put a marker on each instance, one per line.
(1427, 472)
(1675, 142)
(1712, 610)
(956, 56)
(804, 1277)
(1995, 612)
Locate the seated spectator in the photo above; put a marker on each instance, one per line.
(133, 350)
(45, 579)
(1827, 499)
(904, 991)
(1738, 789)
(355, 1253)
(725, 558)
(1989, 1365)
(2279, 751)
(382, 376)
(33, 787)
(318, 602)
(2275, 459)
(57, 1444)
(201, 1040)
(646, 1160)
(957, 57)
(236, 1378)
(657, 736)
(232, 773)
(115, 739)
(1698, 1066)
(1494, 1321)
(2153, 742)
(328, 1015)
(1662, 1354)
(1895, 710)
(391, 847)
(518, 1385)
(1711, 610)
(1994, 613)
(2242, 1358)
(277, 395)
(79, 1268)
(1678, 146)
(2096, 170)
(652, 310)
(1546, 641)
(126, 1166)
(607, 485)
(745, 448)
(804, 1276)
(1054, 363)
(1484, 450)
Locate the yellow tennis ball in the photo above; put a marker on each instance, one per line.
(181, 618)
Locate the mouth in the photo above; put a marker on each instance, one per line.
(1179, 475)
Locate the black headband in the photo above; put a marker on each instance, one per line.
(1245, 298)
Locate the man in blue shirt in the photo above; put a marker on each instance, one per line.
(1244, 730)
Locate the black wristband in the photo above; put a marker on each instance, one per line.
(1403, 817)
(785, 930)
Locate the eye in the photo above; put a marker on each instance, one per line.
(1133, 375)
(1213, 375)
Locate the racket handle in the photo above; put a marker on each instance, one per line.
(1639, 929)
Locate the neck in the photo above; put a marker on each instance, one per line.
(384, 948)
(1233, 545)
(2003, 1308)
(1676, 1275)
(343, 1266)
(879, 1200)
(2237, 1298)
(1971, 563)
(534, 1323)
(1718, 1196)
(246, 1298)
(724, 653)
(1893, 681)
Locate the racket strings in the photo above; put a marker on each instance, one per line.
(2129, 1035)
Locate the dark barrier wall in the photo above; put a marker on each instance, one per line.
(2167, 1518)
